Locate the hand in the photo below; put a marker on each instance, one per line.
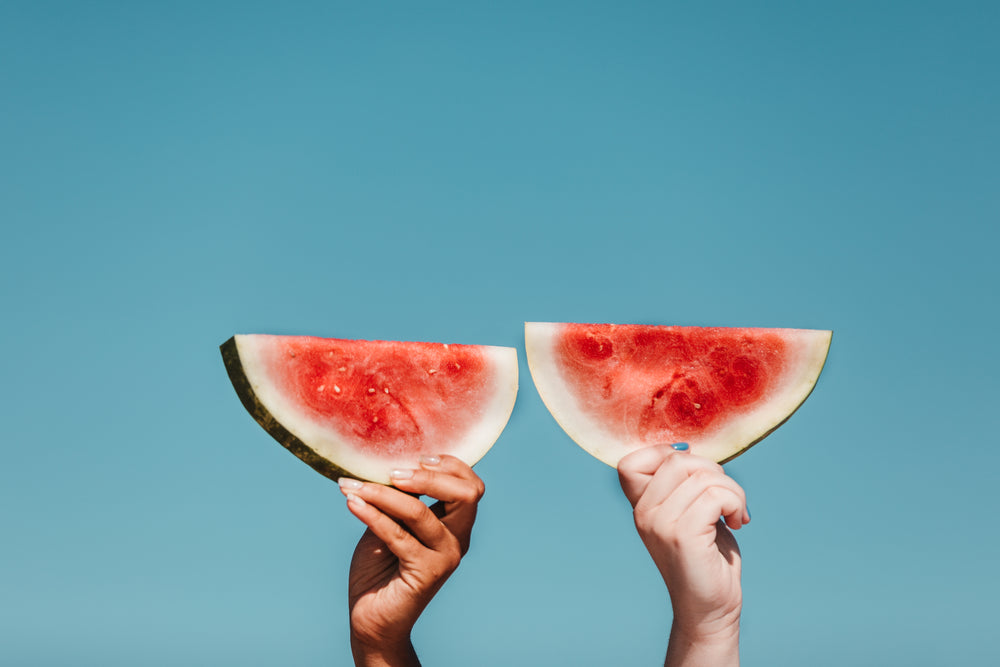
(407, 553)
(677, 499)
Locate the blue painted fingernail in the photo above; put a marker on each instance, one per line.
(680, 446)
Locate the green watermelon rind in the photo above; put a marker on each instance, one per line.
(253, 405)
(327, 449)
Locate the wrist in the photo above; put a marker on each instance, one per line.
(395, 653)
(704, 643)
(720, 624)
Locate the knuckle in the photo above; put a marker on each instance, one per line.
(471, 493)
(424, 476)
(701, 476)
(643, 520)
(416, 511)
(444, 568)
(719, 495)
(706, 476)
(453, 558)
(626, 466)
(449, 556)
(436, 570)
(677, 462)
(397, 532)
(451, 463)
(715, 493)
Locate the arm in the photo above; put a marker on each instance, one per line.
(677, 500)
(407, 553)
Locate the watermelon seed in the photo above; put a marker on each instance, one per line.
(431, 371)
(374, 420)
(321, 387)
(697, 406)
(371, 390)
(458, 367)
(336, 388)
(342, 369)
(387, 390)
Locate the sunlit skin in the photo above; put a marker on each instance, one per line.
(678, 499)
(407, 553)
(409, 550)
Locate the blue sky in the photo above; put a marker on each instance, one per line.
(172, 175)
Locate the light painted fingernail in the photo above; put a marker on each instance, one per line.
(680, 446)
(430, 460)
(348, 483)
(401, 474)
(351, 498)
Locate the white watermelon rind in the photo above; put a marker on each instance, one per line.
(333, 455)
(810, 348)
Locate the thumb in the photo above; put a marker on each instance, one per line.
(636, 469)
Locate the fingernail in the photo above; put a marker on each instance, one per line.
(430, 460)
(680, 446)
(351, 498)
(348, 483)
(401, 474)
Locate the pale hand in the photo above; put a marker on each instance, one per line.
(678, 499)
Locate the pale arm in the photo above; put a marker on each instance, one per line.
(678, 500)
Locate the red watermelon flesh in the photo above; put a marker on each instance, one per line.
(616, 388)
(362, 408)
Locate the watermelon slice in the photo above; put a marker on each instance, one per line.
(617, 388)
(361, 408)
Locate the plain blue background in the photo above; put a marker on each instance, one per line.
(173, 174)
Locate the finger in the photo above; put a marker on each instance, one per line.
(636, 469)
(456, 486)
(450, 465)
(672, 508)
(458, 499)
(445, 478)
(670, 475)
(713, 502)
(459, 519)
(414, 514)
(440, 482)
(401, 543)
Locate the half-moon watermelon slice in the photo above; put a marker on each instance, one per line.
(617, 388)
(362, 408)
